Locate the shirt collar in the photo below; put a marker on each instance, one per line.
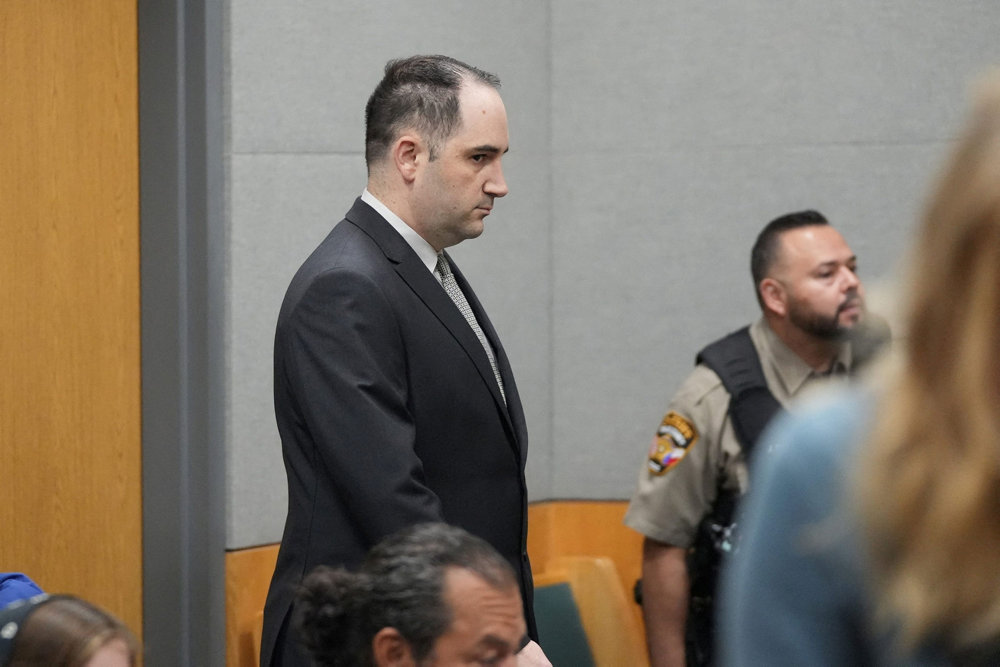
(791, 370)
(425, 251)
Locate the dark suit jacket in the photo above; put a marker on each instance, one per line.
(389, 413)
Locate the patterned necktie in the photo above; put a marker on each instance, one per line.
(455, 292)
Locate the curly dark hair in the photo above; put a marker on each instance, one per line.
(400, 585)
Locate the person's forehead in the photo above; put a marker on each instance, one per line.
(482, 111)
(467, 588)
(476, 604)
(114, 653)
(814, 243)
(473, 94)
(487, 622)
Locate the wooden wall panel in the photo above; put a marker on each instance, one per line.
(70, 438)
(248, 575)
(584, 528)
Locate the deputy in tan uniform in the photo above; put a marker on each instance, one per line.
(811, 297)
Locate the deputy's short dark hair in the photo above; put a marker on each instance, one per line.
(767, 246)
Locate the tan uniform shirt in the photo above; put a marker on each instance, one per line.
(695, 444)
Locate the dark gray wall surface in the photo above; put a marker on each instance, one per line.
(181, 128)
(650, 141)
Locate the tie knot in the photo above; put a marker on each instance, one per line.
(451, 287)
(443, 268)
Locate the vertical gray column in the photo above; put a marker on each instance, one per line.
(182, 246)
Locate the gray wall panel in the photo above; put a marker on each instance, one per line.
(649, 143)
(300, 74)
(762, 71)
(679, 129)
(667, 270)
(282, 207)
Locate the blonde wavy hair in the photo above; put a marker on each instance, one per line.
(930, 476)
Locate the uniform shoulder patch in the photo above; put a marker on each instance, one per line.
(673, 439)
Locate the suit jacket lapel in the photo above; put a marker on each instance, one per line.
(426, 287)
(513, 402)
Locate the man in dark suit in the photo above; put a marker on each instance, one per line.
(394, 398)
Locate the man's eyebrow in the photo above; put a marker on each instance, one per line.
(488, 148)
(853, 259)
(494, 641)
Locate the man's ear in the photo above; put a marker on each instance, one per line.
(407, 155)
(772, 293)
(390, 649)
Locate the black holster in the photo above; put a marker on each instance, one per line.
(715, 539)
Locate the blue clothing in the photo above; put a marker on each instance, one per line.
(15, 586)
(795, 593)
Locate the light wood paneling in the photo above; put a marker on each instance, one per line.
(606, 609)
(248, 574)
(584, 528)
(70, 443)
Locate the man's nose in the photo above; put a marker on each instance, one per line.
(850, 281)
(496, 185)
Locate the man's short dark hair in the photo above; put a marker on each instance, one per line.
(400, 585)
(420, 92)
(766, 248)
